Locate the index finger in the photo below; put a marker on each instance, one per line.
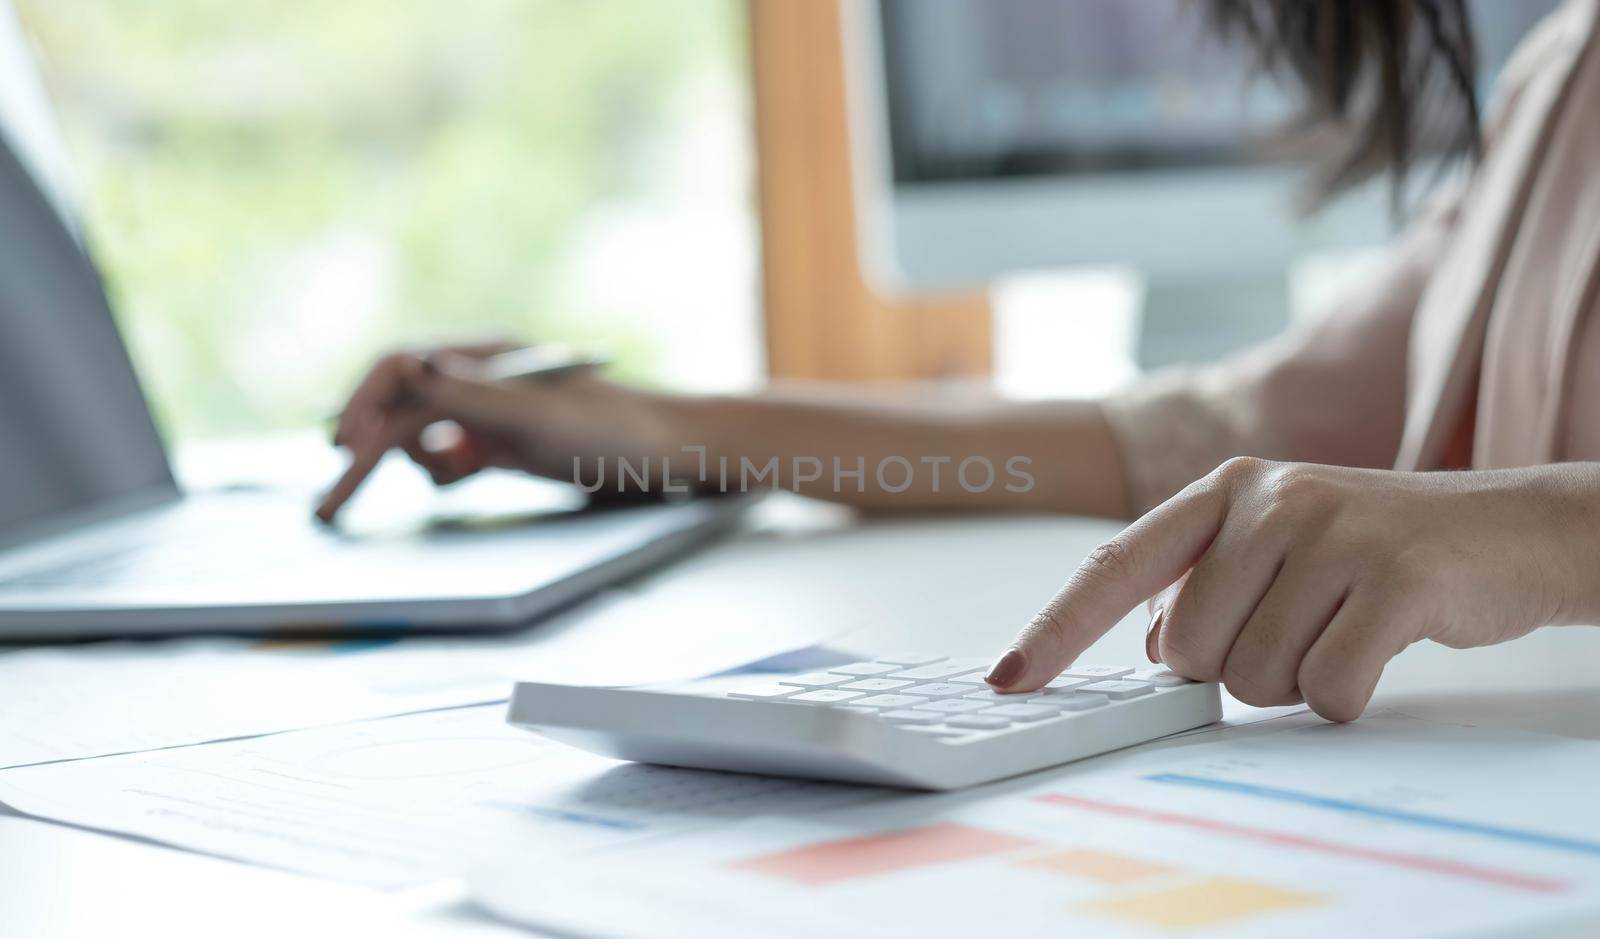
(367, 403)
(1116, 577)
(364, 456)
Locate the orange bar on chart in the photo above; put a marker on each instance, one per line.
(1199, 904)
(1098, 866)
(828, 862)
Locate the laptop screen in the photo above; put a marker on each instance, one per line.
(75, 432)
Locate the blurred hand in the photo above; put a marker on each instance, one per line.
(1292, 582)
(438, 409)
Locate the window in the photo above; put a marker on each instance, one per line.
(279, 190)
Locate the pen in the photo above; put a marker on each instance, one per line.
(546, 361)
(538, 362)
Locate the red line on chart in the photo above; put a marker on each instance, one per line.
(1413, 861)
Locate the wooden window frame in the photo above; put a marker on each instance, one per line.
(823, 320)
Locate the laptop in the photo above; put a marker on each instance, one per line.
(96, 537)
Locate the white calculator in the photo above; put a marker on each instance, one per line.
(917, 721)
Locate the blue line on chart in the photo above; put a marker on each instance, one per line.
(1538, 839)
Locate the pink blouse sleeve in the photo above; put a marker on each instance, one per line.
(1333, 393)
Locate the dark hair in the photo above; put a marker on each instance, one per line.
(1383, 81)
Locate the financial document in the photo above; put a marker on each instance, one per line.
(78, 702)
(400, 801)
(1390, 826)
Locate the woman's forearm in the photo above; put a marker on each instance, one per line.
(887, 455)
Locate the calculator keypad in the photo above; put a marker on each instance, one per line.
(947, 698)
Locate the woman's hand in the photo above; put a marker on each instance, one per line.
(1291, 582)
(437, 408)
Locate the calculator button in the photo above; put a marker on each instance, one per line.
(978, 722)
(864, 669)
(995, 697)
(941, 671)
(910, 659)
(1119, 690)
(1067, 682)
(1097, 672)
(938, 730)
(814, 680)
(954, 706)
(763, 692)
(911, 717)
(938, 689)
(874, 684)
(1072, 701)
(1025, 713)
(826, 696)
(1160, 677)
(888, 701)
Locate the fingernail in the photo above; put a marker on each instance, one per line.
(1152, 638)
(1007, 669)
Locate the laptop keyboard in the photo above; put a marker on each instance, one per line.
(172, 555)
(170, 564)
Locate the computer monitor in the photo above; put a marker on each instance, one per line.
(996, 136)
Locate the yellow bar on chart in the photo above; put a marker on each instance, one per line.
(1198, 904)
(1098, 866)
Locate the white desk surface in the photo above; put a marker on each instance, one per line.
(961, 586)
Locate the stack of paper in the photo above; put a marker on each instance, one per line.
(396, 802)
(74, 703)
(1388, 826)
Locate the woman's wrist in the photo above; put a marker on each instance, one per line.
(678, 419)
(1568, 503)
(684, 431)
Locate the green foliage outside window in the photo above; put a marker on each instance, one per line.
(277, 190)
